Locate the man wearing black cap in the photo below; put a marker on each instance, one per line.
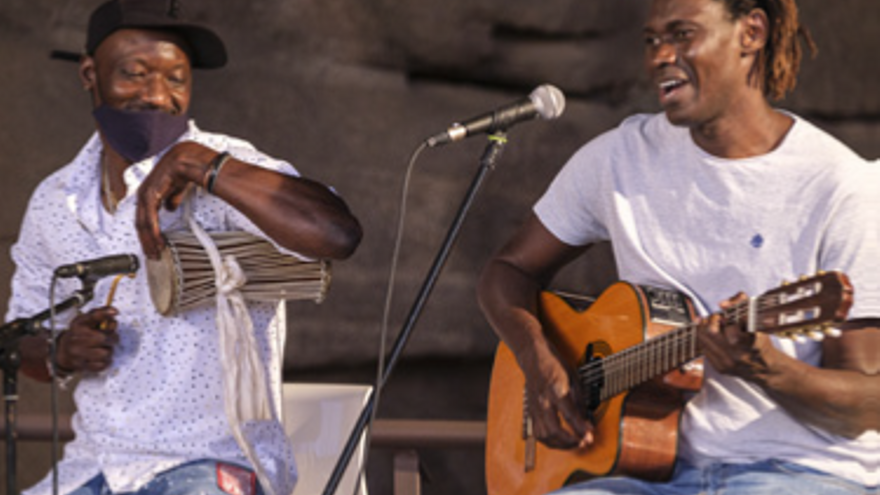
(152, 410)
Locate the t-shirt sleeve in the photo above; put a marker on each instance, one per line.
(852, 243)
(572, 208)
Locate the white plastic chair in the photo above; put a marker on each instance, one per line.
(318, 418)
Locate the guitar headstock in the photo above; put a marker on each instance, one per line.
(812, 306)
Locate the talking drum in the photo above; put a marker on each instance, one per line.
(183, 277)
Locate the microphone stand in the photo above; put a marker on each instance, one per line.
(487, 164)
(10, 361)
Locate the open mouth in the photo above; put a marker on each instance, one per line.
(669, 86)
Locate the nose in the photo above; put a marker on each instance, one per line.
(156, 94)
(661, 54)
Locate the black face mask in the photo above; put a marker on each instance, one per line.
(139, 134)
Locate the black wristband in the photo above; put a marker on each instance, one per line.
(215, 166)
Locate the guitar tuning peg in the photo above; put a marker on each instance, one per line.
(816, 335)
(821, 273)
(803, 278)
(799, 338)
(832, 332)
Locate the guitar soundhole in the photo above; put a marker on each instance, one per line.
(601, 349)
(591, 379)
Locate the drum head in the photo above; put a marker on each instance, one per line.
(162, 277)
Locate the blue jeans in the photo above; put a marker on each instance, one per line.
(193, 478)
(761, 478)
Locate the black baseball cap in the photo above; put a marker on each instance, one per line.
(208, 50)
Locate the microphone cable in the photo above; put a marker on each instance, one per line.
(53, 386)
(389, 297)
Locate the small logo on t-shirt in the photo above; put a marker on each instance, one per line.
(757, 241)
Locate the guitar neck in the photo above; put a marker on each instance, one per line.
(640, 363)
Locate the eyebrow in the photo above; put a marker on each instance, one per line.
(677, 23)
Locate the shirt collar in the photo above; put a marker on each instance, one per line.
(82, 183)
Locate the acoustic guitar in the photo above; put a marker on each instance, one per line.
(633, 353)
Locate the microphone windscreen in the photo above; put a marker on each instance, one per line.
(548, 100)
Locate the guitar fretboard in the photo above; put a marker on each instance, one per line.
(636, 365)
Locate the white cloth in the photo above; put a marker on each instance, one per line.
(710, 227)
(245, 387)
(161, 402)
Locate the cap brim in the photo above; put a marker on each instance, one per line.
(65, 55)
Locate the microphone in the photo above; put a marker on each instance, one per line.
(546, 101)
(100, 267)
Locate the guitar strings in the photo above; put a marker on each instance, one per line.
(629, 367)
(636, 364)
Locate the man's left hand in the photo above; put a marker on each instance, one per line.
(730, 348)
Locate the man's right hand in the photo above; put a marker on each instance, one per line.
(88, 344)
(552, 402)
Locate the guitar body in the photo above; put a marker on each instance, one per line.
(635, 431)
(620, 352)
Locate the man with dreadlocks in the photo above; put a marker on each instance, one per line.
(720, 193)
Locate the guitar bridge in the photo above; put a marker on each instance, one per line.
(531, 445)
(528, 435)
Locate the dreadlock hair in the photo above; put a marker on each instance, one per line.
(777, 65)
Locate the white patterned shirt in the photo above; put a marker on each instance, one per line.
(160, 404)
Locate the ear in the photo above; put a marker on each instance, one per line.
(87, 74)
(756, 32)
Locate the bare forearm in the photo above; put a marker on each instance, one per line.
(508, 295)
(843, 395)
(511, 281)
(34, 351)
(838, 401)
(840, 396)
(508, 299)
(299, 214)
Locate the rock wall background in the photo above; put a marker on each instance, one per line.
(345, 90)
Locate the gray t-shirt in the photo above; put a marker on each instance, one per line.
(710, 227)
